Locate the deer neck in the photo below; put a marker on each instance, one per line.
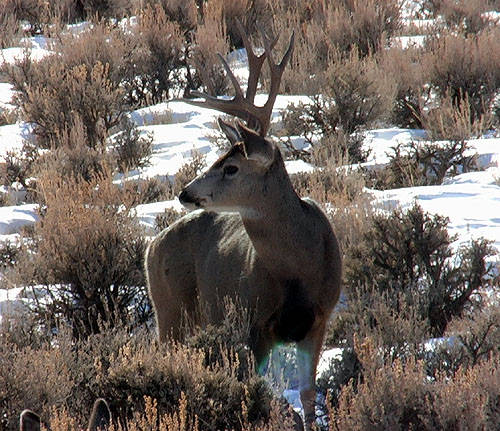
(278, 226)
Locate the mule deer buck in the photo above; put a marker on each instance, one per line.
(100, 418)
(251, 238)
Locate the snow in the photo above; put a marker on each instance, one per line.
(14, 218)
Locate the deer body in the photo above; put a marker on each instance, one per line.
(253, 239)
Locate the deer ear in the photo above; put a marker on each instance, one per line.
(231, 132)
(257, 148)
(29, 421)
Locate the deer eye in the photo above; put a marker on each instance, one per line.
(230, 170)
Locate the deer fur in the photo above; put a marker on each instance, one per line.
(253, 239)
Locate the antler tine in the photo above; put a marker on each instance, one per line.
(255, 62)
(257, 117)
(276, 69)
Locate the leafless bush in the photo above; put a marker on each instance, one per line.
(398, 395)
(79, 83)
(466, 66)
(455, 122)
(422, 164)
(17, 166)
(8, 116)
(182, 12)
(467, 16)
(329, 184)
(210, 40)
(412, 250)
(211, 379)
(153, 65)
(165, 219)
(106, 8)
(71, 156)
(412, 93)
(11, 29)
(189, 171)
(356, 93)
(35, 12)
(361, 24)
(86, 259)
(132, 150)
(145, 191)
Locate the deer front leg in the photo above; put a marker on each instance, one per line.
(308, 351)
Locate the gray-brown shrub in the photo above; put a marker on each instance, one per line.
(455, 121)
(210, 39)
(398, 395)
(354, 93)
(412, 94)
(153, 71)
(213, 374)
(466, 66)
(411, 252)
(131, 148)
(468, 16)
(79, 82)
(422, 164)
(84, 261)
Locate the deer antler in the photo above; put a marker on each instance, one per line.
(256, 117)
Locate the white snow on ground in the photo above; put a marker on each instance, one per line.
(13, 218)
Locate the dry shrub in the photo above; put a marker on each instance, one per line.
(71, 156)
(395, 396)
(329, 184)
(80, 82)
(323, 29)
(478, 334)
(11, 30)
(153, 67)
(95, 77)
(145, 191)
(40, 15)
(398, 395)
(411, 251)
(361, 24)
(131, 148)
(356, 93)
(422, 164)
(360, 91)
(31, 378)
(466, 66)
(17, 166)
(467, 16)
(182, 12)
(85, 266)
(34, 12)
(217, 390)
(455, 121)
(8, 116)
(412, 94)
(400, 392)
(251, 13)
(99, 9)
(210, 40)
(340, 192)
(189, 171)
(165, 219)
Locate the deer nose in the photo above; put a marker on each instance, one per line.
(185, 198)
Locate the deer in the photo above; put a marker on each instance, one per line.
(100, 418)
(249, 237)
